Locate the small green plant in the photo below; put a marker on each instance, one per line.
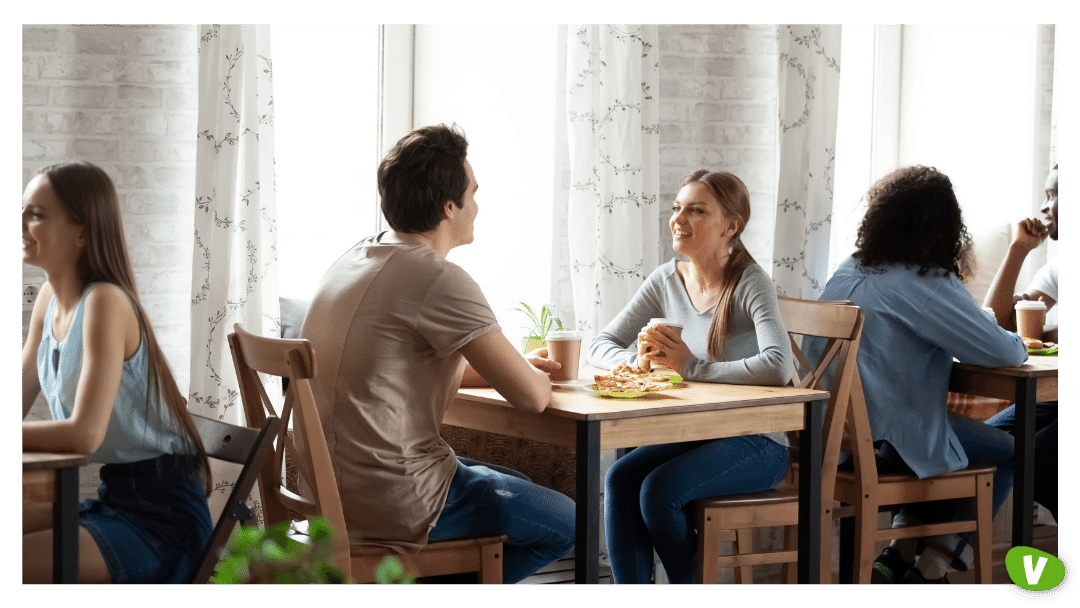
(258, 555)
(541, 325)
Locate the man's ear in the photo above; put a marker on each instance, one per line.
(448, 210)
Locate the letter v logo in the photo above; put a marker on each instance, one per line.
(1033, 574)
(1038, 576)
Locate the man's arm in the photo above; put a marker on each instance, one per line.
(493, 359)
(1029, 234)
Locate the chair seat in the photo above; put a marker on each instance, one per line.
(783, 493)
(362, 550)
(847, 476)
(481, 555)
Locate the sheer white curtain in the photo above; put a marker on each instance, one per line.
(808, 84)
(234, 264)
(612, 74)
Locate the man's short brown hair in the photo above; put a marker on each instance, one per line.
(423, 171)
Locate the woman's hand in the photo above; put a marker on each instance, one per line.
(661, 345)
(539, 359)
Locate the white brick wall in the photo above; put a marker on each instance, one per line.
(718, 112)
(124, 98)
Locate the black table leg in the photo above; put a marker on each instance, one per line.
(66, 526)
(1024, 462)
(587, 543)
(810, 493)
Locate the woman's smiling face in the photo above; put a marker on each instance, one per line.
(698, 223)
(49, 235)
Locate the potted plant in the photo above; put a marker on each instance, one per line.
(258, 555)
(541, 324)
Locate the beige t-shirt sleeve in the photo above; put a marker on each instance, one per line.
(454, 312)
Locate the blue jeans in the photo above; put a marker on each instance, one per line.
(487, 500)
(150, 520)
(646, 493)
(983, 444)
(1046, 449)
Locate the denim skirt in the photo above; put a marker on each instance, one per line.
(151, 520)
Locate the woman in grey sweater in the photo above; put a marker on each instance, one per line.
(732, 334)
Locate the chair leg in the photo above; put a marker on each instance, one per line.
(744, 544)
(708, 548)
(983, 538)
(790, 572)
(865, 526)
(491, 565)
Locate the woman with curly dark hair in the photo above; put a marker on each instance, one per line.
(906, 275)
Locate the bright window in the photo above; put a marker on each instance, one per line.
(956, 97)
(498, 84)
(326, 99)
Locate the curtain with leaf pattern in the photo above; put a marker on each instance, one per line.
(808, 85)
(234, 265)
(612, 74)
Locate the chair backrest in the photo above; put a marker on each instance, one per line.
(858, 441)
(295, 360)
(242, 445)
(840, 324)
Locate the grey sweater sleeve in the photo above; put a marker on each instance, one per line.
(759, 353)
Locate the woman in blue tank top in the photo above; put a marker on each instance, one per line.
(91, 352)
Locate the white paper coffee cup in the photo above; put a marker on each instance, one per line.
(1030, 318)
(564, 346)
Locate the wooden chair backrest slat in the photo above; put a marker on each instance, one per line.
(295, 360)
(840, 323)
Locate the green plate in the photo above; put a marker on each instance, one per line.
(1043, 352)
(633, 395)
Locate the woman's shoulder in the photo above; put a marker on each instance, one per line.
(664, 273)
(755, 277)
(105, 297)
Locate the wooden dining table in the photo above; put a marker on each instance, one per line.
(1025, 385)
(54, 477)
(581, 419)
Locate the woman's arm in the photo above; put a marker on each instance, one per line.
(618, 342)
(30, 384)
(108, 325)
(953, 321)
(755, 297)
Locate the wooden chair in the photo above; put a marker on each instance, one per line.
(865, 491)
(295, 360)
(238, 445)
(733, 518)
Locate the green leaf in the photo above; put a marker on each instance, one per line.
(388, 570)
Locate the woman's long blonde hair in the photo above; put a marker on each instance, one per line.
(89, 197)
(734, 200)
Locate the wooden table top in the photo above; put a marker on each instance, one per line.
(40, 461)
(572, 400)
(1035, 366)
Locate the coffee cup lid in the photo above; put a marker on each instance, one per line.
(664, 321)
(1031, 305)
(564, 334)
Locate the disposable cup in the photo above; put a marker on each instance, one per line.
(564, 346)
(1030, 318)
(671, 324)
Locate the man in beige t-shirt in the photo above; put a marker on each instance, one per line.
(397, 329)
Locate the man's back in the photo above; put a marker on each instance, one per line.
(386, 324)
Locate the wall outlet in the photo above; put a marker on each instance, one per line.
(29, 294)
